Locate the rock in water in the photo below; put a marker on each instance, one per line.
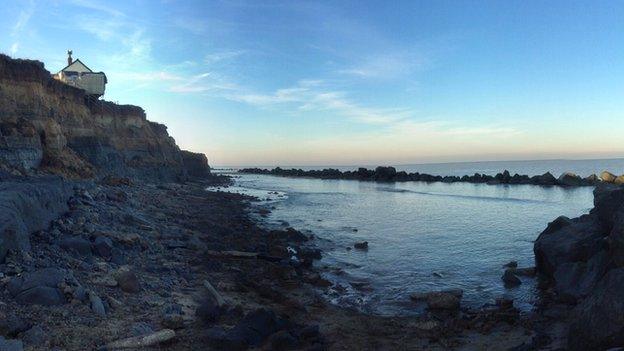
(570, 179)
(510, 279)
(361, 245)
(607, 177)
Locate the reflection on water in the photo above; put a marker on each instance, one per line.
(422, 237)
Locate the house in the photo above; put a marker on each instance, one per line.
(79, 75)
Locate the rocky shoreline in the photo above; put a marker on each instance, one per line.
(390, 174)
(176, 267)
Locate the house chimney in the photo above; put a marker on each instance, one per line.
(69, 58)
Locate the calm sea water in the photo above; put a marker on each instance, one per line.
(425, 237)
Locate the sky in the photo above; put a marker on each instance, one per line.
(266, 83)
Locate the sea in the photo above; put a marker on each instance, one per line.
(424, 236)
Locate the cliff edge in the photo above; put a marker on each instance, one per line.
(50, 126)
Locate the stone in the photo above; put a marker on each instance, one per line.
(510, 279)
(34, 336)
(619, 180)
(96, 304)
(76, 245)
(607, 177)
(598, 321)
(128, 281)
(140, 328)
(103, 246)
(41, 287)
(11, 344)
(569, 179)
(256, 326)
(511, 264)
(363, 245)
(173, 321)
(443, 300)
(11, 325)
(209, 311)
(283, 340)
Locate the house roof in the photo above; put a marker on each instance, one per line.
(76, 60)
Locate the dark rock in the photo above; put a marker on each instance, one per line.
(283, 340)
(96, 304)
(208, 311)
(574, 280)
(41, 287)
(103, 246)
(510, 279)
(569, 179)
(441, 300)
(361, 245)
(76, 245)
(511, 264)
(256, 326)
(12, 325)
(11, 345)
(127, 281)
(173, 321)
(598, 321)
(140, 328)
(34, 336)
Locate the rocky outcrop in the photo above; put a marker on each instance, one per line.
(28, 205)
(49, 125)
(583, 260)
(196, 164)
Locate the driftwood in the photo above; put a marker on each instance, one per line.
(241, 255)
(141, 341)
(218, 299)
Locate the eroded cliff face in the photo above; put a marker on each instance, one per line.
(45, 124)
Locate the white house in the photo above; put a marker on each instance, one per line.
(79, 75)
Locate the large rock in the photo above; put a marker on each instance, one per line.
(607, 177)
(598, 322)
(567, 241)
(11, 344)
(41, 287)
(574, 280)
(29, 205)
(569, 179)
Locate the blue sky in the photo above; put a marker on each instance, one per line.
(350, 82)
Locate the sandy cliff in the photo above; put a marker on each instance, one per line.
(48, 125)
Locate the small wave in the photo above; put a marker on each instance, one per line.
(475, 197)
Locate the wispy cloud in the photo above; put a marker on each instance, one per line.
(23, 18)
(386, 66)
(97, 6)
(202, 83)
(222, 56)
(312, 95)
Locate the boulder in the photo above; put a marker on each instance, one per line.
(510, 279)
(363, 245)
(544, 179)
(569, 179)
(103, 246)
(574, 280)
(251, 331)
(440, 300)
(41, 287)
(607, 177)
(127, 281)
(565, 240)
(77, 246)
(96, 304)
(598, 321)
(619, 180)
(11, 345)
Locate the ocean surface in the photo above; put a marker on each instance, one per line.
(424, 237)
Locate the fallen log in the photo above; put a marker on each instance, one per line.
(140, 341)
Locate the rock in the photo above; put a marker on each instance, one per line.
(619, 180)
(256, 326)
(173, 321)
(209, 311)
(525, 272)
(96, 304)
(598, 321)
(76, 245)
(443, 300)
(41, 287)
(504, 303)
(283, 340)
(140, 328)
(103, 246)
(34, 336)
(544, 179)
(566, 240)
(29, 206)
(607, 177)
(510, 279)
(11, 345)
(574, 280)
(569, 179)
(361, 245)
(12, 325)
(142, 341)
(511, 264)
(127, 281)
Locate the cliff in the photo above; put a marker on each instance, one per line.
(47, 125)
(582, 259)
